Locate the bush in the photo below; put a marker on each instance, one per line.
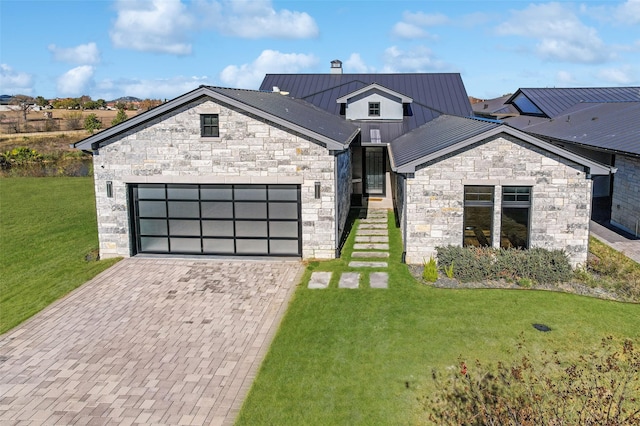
(485, 263)
(92, 123)
(73, 120)
(601, 388)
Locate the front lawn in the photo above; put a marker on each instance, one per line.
(47, 229)
(365, 356)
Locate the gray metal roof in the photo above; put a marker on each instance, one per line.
(333, 132)
(441, 133)
(448, 134)
(494, 108)
(554, 101)
(608, 126)
(432, 94)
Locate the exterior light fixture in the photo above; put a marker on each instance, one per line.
(109, 189)
(317, 190)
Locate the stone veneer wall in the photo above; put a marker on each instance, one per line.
(561, 197)
(169, 149)
(625, 205)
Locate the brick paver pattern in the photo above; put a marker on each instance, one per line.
(149, 341)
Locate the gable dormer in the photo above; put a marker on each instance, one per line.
(374, 102)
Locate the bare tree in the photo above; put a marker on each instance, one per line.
(24, 102)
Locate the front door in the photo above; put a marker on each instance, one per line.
(374, 171)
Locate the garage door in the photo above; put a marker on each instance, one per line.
(251, 220)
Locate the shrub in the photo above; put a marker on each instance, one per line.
(92, 123)
(74, 120)
(430, 271)
(600, 388)
(485, 263)
(448, 270)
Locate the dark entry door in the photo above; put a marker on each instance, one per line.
(374, 171)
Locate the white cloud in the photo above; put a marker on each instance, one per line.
(249, 76)
(622, 76)
(85, 54)
(628, 12)
(565, 78)
(167, 88)
(421, 59)
(76, 82)
(412, 25)
(154, 26)
(15, 82)
(560, 34)
(255, 19)
(355, 64)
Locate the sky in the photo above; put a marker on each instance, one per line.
(160, 49)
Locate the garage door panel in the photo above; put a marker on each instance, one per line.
(218, 228)
(216, 219)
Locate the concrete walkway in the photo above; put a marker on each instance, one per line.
(149, 341)
(618, 240)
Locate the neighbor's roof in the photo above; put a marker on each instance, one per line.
(554, 101)
(432, 94)
(333, 132)
(448, 134)
(610, 126)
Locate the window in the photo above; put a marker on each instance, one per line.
(374, 109)
(516, 208)
(526, 107)
(209, 125)
(478, 216)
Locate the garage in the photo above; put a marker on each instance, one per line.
(199, 219)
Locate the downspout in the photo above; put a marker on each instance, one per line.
(336, 203)
(404, 219)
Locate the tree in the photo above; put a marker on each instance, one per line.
(101, 103)
(120, 117)
(92, 123)
(147, 104)
(41, 101)
(24, 103)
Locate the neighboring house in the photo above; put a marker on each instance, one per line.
(599, 123)
(220, 171)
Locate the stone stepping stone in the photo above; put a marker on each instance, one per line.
(363, 264)
(372, 232)
(349, 280)
(375, 220)
(379, 280)
(373, 254)
(372, 226)
(319, 280)
(371, 239)
(371, 246)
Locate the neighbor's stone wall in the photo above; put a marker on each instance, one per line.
(561, 197)
(249, 150)
(625, 205)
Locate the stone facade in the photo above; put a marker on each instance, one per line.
(560, 200)
(169, 149)
(625, 205)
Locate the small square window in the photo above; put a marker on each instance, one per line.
(209, 125)
(374, 109)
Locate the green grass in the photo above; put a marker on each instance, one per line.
(47, 227)
(365, 356)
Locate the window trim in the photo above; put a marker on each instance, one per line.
(477, 202)
(213, 128)
(522, 201)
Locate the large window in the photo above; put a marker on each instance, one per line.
(374, 109)
(209, 125)
(516, 209)
(478, 216)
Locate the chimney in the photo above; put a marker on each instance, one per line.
(336, 66)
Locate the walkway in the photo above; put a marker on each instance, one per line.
(370, 252)
(149, 341)
(618, 240)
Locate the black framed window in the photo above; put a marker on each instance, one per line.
(478, 216)
(374, 109)
(516, 212)
(209, 126)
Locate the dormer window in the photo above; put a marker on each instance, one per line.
(374, 109)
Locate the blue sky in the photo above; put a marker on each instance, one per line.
(163, 48)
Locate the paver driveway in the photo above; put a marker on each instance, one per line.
(149, 341)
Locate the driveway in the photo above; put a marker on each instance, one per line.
(149, 341)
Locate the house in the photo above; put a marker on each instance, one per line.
(274, 172)
(598, 123)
